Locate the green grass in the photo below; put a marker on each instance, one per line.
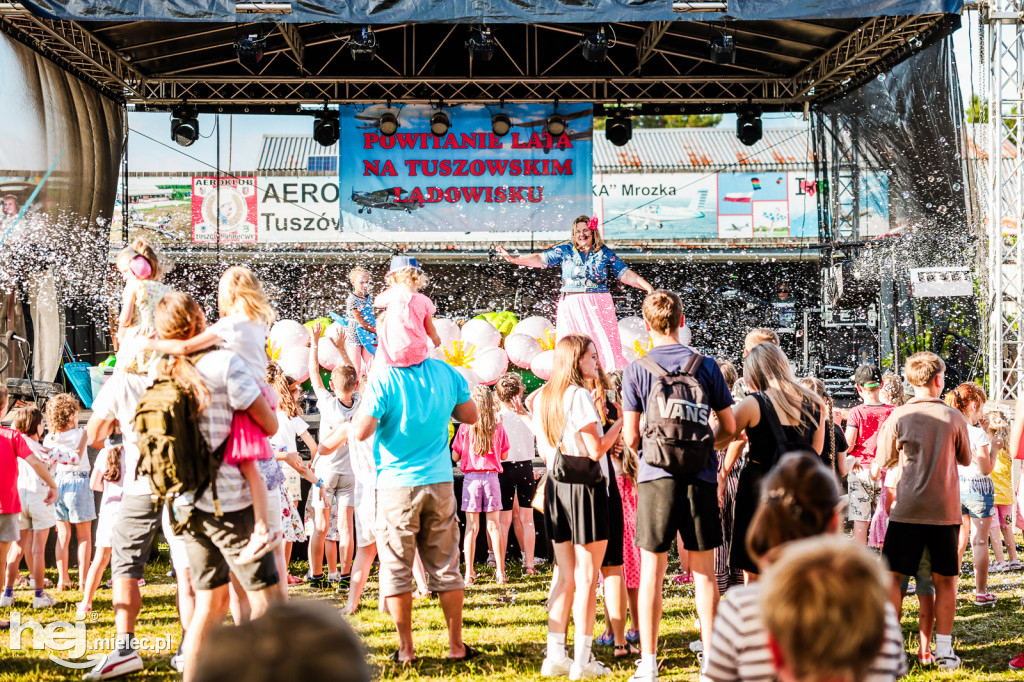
(507, 622)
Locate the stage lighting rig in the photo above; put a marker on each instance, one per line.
(439, 122)
(595, 46)
(480, 44)
(387, 124)
(326, 128)
(555, 125)
(748, 124)
(250, 49)
(363, 47)
(185, 125)
(501, 124)
(619, 129)
(722, 50)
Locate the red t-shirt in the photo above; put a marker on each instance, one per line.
(12, 447)
(868, 419)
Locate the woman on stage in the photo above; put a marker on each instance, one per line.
(585, 306)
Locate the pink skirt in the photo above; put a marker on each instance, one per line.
(247, 440)
(880, 521)
(594, 316)
(630, 552)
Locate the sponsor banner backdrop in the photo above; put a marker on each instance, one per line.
(234, 207)
(468, 184)
(293, 209)
(724, 206)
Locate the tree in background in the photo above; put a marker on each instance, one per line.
(672, 121)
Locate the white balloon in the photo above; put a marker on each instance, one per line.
(334, 331)
(447, 330)
(541, 365)
(437, 354)
(534, 326)
(327, 353)
(286, 334)
(481, 334)
(490, 365)
(629, 352)
(295, 363)
(470, 376)
(522, 349)
(631, 332)
(685, 335)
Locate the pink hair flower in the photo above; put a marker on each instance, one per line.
(592, 224)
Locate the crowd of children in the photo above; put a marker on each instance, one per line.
(924, 479)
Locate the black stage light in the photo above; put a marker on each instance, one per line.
(722, 50)
(326, 128)
(250, 50)
(555, 125)
(748, 124)
(440, 123)
(387, 124)
(619, 130)
(364, 48)
(501, 124)
(481, 44)
(595, 46)
(185, 125)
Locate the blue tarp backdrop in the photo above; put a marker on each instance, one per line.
(498, 11)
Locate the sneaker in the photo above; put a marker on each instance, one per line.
(178, 662)
(43, 602)
(1018, 663)
(333, 577)
(82, 610)
(950, 662)
(606, 639)
(552, 668)
(6, 602)
(643, 674)
(115, 664)
(594, 668)
(318, 582)
(697, 646)
(632, 636)
(345, 580)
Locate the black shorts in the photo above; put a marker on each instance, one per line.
(666, 506)
(905, 544)
(517, 482)
(135, 526)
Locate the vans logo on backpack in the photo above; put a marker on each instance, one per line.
(673, 408)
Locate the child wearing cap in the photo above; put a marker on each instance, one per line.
(862, 425)
(407, 325)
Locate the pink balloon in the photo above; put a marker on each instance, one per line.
(522, 349)
(490, 364)
(481, 334)
(295, 363)
(541, 365)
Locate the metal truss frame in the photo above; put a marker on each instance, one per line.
(1004, 56)
(868, 49)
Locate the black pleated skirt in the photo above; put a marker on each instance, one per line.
(576, 513)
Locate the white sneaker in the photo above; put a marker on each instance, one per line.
(643, 674)
(594, 668)
(697, 646)
(6, 602)
(43, 602)
(950, 662)
(178, 662)
(553, 668)
(115, 664)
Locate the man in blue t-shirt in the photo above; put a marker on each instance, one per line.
(409, 409)
(667, 504)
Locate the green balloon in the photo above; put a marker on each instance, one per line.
(530, 380)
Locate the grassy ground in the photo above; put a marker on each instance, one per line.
(507, 623)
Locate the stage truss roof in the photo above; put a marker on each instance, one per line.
(662, 65)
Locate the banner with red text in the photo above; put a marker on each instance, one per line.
(231, 210)
(467, 184)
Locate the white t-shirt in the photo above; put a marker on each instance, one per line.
(246, 339)
(28, 480)
(580, 409)
(288, 431)
(522, 445)
(64, 451)
(979, 439)
(118, 400)
(333, 413)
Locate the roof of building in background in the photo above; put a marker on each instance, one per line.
(291, 152)
(665, 150)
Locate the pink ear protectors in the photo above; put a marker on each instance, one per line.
(140, 267)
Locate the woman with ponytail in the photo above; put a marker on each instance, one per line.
(585, 306)
(799, 500)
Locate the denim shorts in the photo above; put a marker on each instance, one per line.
(977, 497)
(76, 502)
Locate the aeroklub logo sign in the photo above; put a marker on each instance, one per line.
(71, 641)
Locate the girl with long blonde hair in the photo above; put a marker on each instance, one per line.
(480, 449)
(780, 416)
(575, 513)
(242, 329)
(140, 267)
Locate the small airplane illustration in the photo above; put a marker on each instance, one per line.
(382, 198)
(657, 215)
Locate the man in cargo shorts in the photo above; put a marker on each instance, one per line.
(409, 409)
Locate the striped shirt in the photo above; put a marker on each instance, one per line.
(739, 644)
(232, 387)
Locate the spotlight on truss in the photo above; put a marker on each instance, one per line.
(595, 46)
(722, 50)
(481, 44)
(363, 47)
(250, 50)
(501, 124)
(185, 125)
(619, 129)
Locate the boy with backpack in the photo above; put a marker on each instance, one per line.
(676, 390)
(862, 426)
